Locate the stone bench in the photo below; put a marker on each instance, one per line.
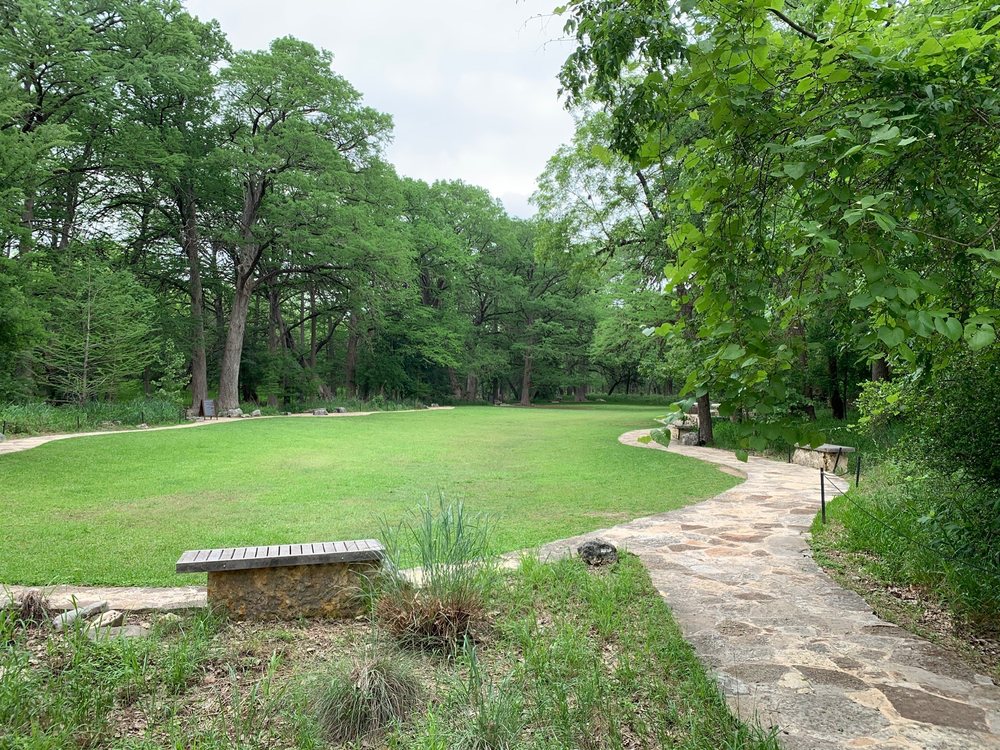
(830, 458)
(287, 581)
(684, 433)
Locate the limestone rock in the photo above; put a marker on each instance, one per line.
(598, 552)
(341, 410)
(319, 412)
(86, 610)
(435, 406)
(142, 426)
(330, 590)
(110, 619)
(256, 413)
(234, 413)
(245, 416)
(126, 631)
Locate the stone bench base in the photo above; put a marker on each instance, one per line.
(829, 458)
(329, 591)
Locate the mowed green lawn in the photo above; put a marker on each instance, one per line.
(119, 509)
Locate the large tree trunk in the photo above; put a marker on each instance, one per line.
(199, 359)
(456, 387)
(837, 404)
(580, 394)
(705, 434)
(471, 387)
(274, 338)
(526, 381)
(351, 360)
(232, 354)
(880, 369)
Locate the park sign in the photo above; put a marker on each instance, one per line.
(207, 408)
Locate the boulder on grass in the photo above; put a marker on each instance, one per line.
(256, 413)
(319, 412)
(234, 413)
(598, 552)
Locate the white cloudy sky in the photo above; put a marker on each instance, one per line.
(471, 85)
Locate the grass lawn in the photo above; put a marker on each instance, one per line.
(119, 509)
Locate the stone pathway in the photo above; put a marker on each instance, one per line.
(17, 445)
(789, 646)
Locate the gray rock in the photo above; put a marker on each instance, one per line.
(341, 410)
(234, 413)
(256, 413)
(319, 412)
(86, 610)
(110, 619)
(598, 552)
(142, 426)
(245, 416)
(126, 631)
(435, 406)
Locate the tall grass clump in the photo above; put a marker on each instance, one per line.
(37, 418)
(360, 700)
(443, 598)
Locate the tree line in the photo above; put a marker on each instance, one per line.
(176, 213)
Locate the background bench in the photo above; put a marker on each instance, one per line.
(287, 581)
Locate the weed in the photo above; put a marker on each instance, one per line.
(444, 599)
(361, 700)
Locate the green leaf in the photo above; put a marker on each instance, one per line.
(732, 351)
(796, 170)
(982, 337)
(742, 455)
(891, 337)
(645, 439)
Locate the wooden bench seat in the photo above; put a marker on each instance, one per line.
(287, 581)
(278, 555)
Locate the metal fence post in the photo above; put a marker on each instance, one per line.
(857, 471)
(822, 494)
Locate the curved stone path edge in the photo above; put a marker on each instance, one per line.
(789, 647)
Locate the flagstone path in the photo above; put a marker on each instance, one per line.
(789, 646)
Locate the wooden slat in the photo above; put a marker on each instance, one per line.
(314, 553)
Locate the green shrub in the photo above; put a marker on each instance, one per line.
(361, 700)
(443, 601)
(36, 418)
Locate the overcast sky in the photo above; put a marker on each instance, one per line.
(471, 85)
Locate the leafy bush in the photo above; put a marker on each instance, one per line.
(913, 526)
(359, 701)
(443, 600)
(955, 423)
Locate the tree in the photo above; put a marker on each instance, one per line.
(297, 132)
(100, 332)
(846, 159)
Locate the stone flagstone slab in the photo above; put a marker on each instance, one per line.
(790, 647)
